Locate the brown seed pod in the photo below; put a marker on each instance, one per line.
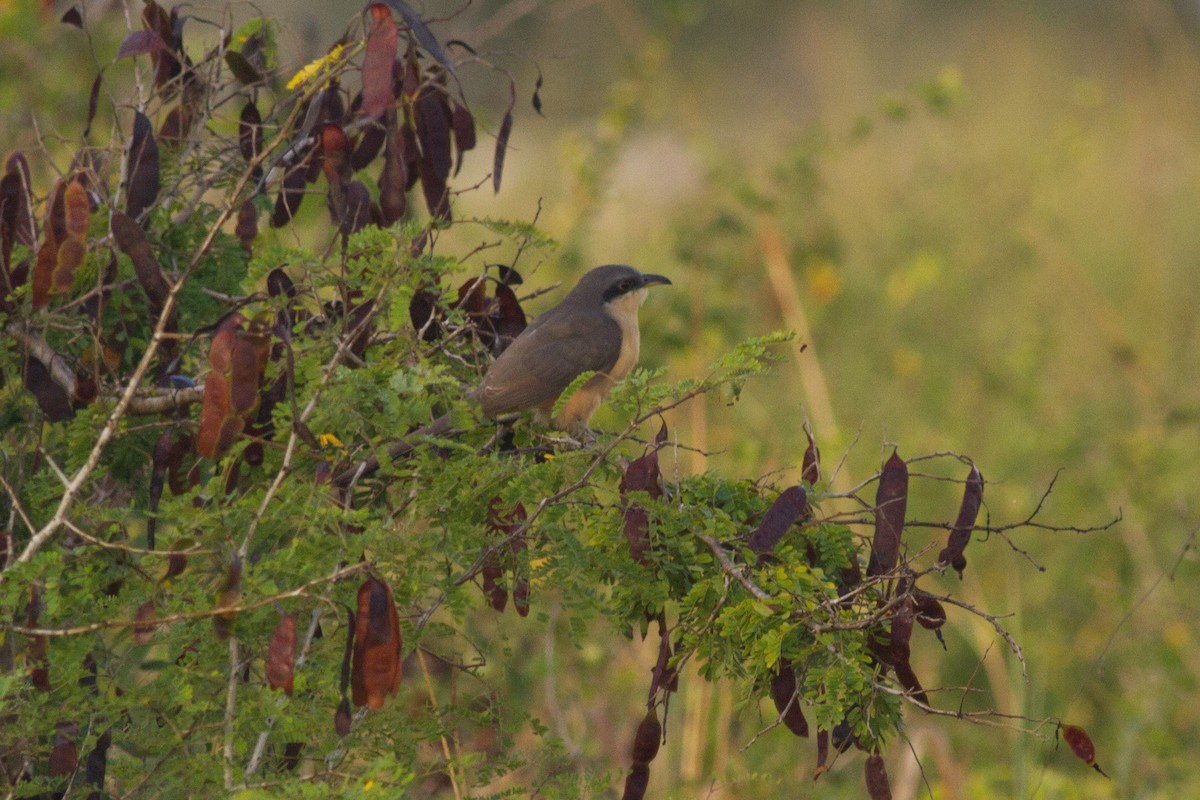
(878, 787)
(787, 702)
(960, 534)
(891, 501)
(636, 782)
(647, 739)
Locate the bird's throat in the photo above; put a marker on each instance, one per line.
(624, 310)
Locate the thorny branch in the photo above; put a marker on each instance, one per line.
(111, 425)
(1029, 521)
(224, 611)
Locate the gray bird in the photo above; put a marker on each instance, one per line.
(593, 329)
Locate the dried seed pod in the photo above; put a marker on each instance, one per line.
(64, 757)
(900, 652)
(462, 124)
(342, 718)
(493, 567)
(291, 192)
(247, 225)
(132, 240)
(432, 118)
(891, 501)
(663, 675)
(822, 753)
(842, 736)
(787, 701)
(810, 472)
(929, 612)
(787, 508)
(642, 475)
(502, 139)
(521, 597)
(878, 787)
(647, 739)
(281, 655)
(960, 534)
(145, 619)
(250, 126)
(636, 782)
(375, 672)
(380, 53)
(1081, 745)
(142, 174)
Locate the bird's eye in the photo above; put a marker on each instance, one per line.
(624, 286)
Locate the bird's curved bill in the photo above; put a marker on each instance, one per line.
(650, 279)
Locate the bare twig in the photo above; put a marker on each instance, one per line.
(298, 591)
(989, 718)
(731, 569)
(444, 738)
(260, 744)
(231, 710)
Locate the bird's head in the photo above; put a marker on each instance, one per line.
(612, 282)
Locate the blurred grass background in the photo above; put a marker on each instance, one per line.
(987, 215)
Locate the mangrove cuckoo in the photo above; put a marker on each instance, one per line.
(593, 329)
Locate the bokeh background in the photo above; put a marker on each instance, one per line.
(984, 221)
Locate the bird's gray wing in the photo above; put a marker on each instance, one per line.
(546, 357)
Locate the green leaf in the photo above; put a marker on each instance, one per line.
(571, 389)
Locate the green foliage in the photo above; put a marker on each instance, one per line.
(154, 576)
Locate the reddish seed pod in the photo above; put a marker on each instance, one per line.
(132, 241)
(891, 501)
(379, 54)
(501, 148)
(250, 131)
(663, 675)
(900, 651)
(810, 472)
(787, 508)
(145, 627)
(497, 595)
(247, 225)
(393, 180)
(637, 531)
(493, 567)
(281, 655)
(462, 125)
(960, 534)
(1079, 742)
(64, 757)
(521, 597)
(787, 702)
(822, 753)
(929, 612)
(878, 786)
(636, 782)
(647, 739)
(375, 668)
(642, 475)
(342, 718)
(142, 173)
(1081, 745)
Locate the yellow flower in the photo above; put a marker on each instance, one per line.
(310, 70)
(329, 440)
